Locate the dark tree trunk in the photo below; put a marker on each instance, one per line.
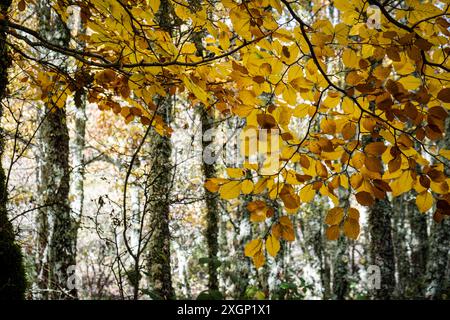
(438, 284)
(401, 240)
(158, 258)
(12, 275)
(212, 210)
(419, 249)
(381, 248)
(340, 269)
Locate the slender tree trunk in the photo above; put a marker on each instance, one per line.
(381, 247)
(78, 159)
(243, 263)
(438, 284)
(158, 258)
(12, 276)
(342, 259)
(212, 210)
(55, 173)
(401, 239)
(340, 269)
(419, 249)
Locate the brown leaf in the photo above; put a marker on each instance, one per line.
(395, 164)
(332, 232)
(286, 52)
(436, 175)
(21, 6)
(444, 95)
(375, 148)
(373, 164)
(266, 121)
(364, 198)
(424, 181)
(259, 79)
(304, 161)
(392, 53)
(348, 130)
(423, 44)
(382, 185)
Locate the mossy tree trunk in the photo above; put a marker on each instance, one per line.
(161, 176)
(158, 256)
(212, 206)
(381, 247)
(12, 275)
(419, 248)
(55, 173)
(400, 238)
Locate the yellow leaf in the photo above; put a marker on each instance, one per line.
(332, 232)
(259, 259)
(351, 228)
(350, 58)
(410, 82)
(211, 186)
(445, 153)
(403, 184)
(424, 201)
(230, 190)
(247, 186)
(253, 247)
(235, 173)
(307, 193)
(154, 5)
(334, 216)
(353, 213)
(289, 197)
(272, 245)
(258, 210)
(328, 126)
(284, 229)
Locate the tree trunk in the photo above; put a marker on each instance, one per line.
(401, 239)
(438, 286)
(212, 210)
(340, 269)
(55, 173)
(419, 249)
(12, 276)
(342, 259)
(158, 257)
(78, 159)
(381, 247)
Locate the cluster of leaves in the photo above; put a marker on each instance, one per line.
(373, 98)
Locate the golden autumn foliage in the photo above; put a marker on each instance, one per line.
(372, 97)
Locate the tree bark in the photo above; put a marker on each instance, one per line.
(438, 285)
(158, 258)
(340, 269)
(401, 239)
(55, 174)
(381, 247)
(212, 209)
(12, 276)
(419, 249)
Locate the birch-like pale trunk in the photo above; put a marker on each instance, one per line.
(54, 174)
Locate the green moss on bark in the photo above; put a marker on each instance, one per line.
(12, 275)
